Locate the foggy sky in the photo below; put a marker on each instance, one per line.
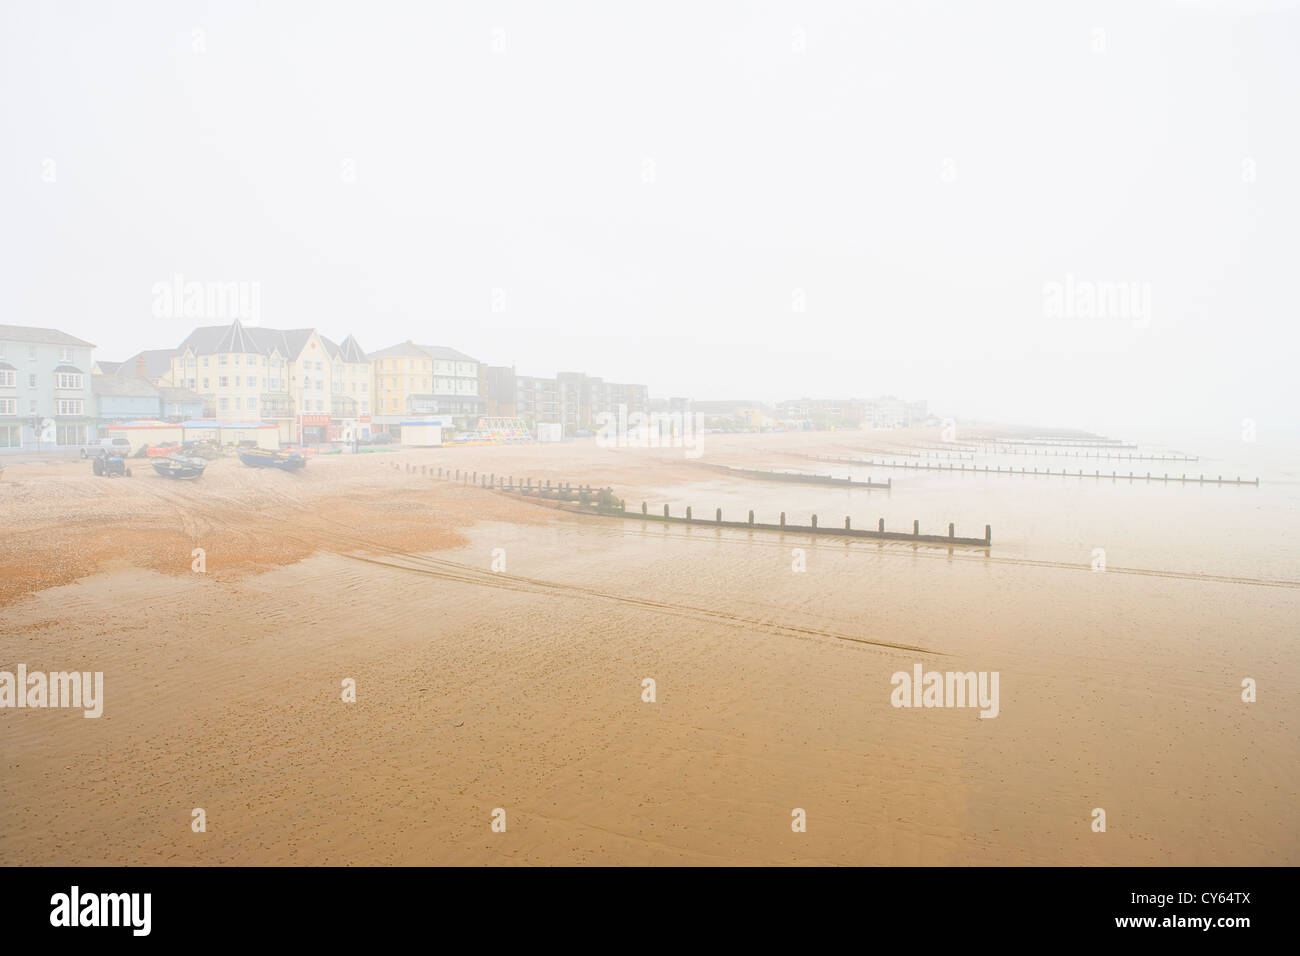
(654, 188)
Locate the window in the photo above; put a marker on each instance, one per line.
(67, 380)
(221, 359)
(69, 406)
(31, 353)
(65, 355)
(189, 361)
(31, 380)
(224, 403)
(11, 436)
(190, 384)
(205, 384)
(221, 382)
(8, 406)
(205, 361)
(8, 379)
(71, 435)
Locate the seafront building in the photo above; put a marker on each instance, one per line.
(124, 398)
(261, 375)
(45, 390)
(351, 380)
(574, 400)
(425, 383)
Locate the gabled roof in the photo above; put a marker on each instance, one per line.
(445, 354)
(351, 352)
(157, 363)
(172, 394)
(28, 333)
(123, 387)
(406, 349)
(237, 337)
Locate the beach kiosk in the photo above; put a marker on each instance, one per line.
(422, 434)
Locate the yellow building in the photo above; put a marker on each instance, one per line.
(427, 382)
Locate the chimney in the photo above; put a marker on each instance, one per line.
(139, 366)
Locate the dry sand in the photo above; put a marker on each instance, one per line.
(522, 690)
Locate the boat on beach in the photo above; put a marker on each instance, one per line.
(178, 467)
(265, 458)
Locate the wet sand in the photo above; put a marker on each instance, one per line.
(522, 689)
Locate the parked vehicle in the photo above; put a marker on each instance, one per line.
(110, 466)
(377, 438)
(111, 446)
(179, 468)
(265, 458)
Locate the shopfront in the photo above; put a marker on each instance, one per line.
(313, 429)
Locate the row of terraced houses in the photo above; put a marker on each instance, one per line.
(310, 387)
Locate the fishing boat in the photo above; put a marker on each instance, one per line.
(180, 468)
(265, 458)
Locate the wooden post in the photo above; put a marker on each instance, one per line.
(950, 529)
(916, 527)
(643, 511)
(882, 525)
(718, 516)
(688, 512)
(988, 534)
(751, 516)
(782, 519)
(814, 521)
(665, 511)
(847, 526)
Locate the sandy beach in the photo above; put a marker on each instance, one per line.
(521, 688)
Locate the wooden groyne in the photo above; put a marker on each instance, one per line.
(604, 503)
(1063, 443)
(1047, 473)
(795, 477)
(525, 487)
(924, 453)
(1079, 454)
(848, 531)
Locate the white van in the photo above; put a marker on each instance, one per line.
(112, 447)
